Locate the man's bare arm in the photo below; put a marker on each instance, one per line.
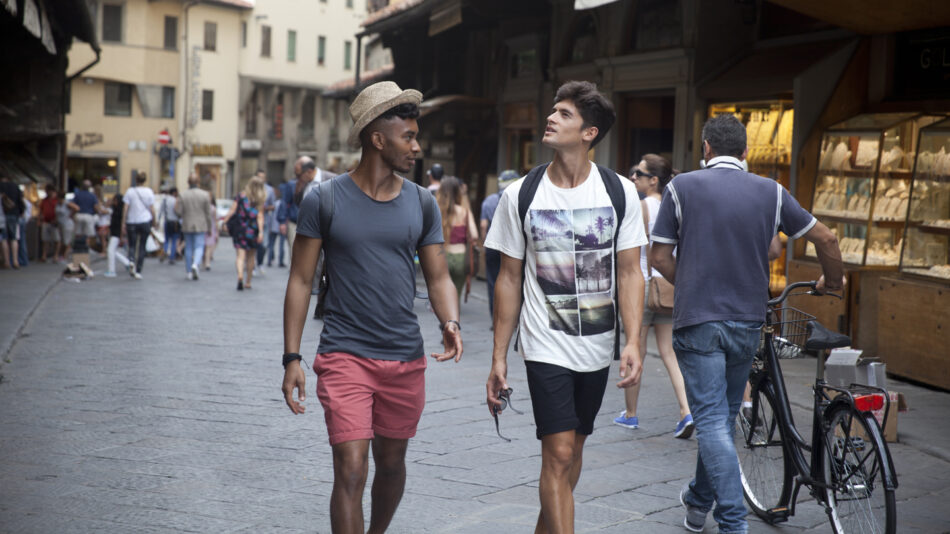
(296, 301)
(508, 302)
(829, 255)
(443, 297)
(630, 299)
(662, 259)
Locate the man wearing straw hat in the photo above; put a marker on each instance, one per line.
(370, 363)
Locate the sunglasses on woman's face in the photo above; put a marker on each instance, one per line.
(637, 173)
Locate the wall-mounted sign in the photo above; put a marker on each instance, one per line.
(207, 150)
(82, 140)
(250, 144)
(922, 64)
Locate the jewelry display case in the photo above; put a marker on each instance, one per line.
(927, 237)
(862, 191)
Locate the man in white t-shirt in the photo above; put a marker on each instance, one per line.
(139, 207)
(574, 269)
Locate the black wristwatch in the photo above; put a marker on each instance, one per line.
(443, 325)
(291, 357)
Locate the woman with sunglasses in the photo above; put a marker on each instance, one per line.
(651, 176)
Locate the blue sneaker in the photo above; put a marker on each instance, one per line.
(628, 422)
(684, 429)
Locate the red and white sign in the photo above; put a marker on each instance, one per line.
(164, 137)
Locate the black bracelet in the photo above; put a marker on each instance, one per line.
(442, 326)
(291, 357)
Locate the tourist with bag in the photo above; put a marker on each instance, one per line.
(138, 218)
(172, 224)
(651, 176)
(458, 230)
(245, 222)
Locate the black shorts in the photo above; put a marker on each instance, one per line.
(563, 399)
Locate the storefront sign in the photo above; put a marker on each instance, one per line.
(207, 150)
(251, 144)
(922, 64)
(83, 140)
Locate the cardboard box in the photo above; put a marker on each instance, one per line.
(846, 366)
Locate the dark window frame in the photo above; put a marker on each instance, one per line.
(265, 40)
(171, 32)
(111, 36)
(168, 102)
(211, 38)
(207, 104)
(122, 107)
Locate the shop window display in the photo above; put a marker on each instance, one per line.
(769, 137)
(927, 238)
(862, 192)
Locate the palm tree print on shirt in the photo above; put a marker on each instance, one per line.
(574, 267)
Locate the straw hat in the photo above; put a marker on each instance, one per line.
(376, 100)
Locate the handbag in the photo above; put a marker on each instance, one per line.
(660, 297)
(234, 225)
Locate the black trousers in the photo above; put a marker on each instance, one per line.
(138, 235)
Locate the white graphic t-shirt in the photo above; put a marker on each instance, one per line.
(568, 314)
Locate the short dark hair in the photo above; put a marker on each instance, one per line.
(402, 111)
(594, 107)
(141, 178)
(726, 135)
(308, 166)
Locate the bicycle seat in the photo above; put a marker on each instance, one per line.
(820, 338)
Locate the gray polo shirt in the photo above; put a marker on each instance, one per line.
(721, 220)
(370, 262)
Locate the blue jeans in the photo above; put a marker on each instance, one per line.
(715, 358)
(171, 242)
(23, 252)
(271, 239)
(194, 249)
(492, 268)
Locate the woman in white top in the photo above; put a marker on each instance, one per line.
(651, 176)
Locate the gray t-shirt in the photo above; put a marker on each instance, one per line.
(370, 250)
(721, 220)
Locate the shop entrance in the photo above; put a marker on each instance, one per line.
(99, 171)
(646, 128)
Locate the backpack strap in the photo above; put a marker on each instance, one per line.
(428, 211)
(526, 194)
(619, 200)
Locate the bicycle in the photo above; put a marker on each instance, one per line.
(849, 469)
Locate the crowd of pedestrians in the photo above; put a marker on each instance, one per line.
(572, 250)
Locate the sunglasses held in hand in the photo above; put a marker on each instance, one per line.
(505, 397)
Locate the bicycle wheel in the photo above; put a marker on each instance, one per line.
(856, 497)
(766, 479)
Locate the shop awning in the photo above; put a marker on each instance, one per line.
(871, 17)
(23, 167)
(589, 4)
(767, 72)
(435, 104)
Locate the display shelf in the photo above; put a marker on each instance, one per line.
(865, 180)
(926, 250)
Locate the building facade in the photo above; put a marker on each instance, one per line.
(291, 52)
(162, 99)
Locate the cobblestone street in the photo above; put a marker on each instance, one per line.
(154, 406)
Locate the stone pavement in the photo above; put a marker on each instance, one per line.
(154, 406)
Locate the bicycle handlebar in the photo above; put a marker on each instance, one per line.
(812, 285)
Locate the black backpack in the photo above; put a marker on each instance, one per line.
(614, 190)
(326, 218)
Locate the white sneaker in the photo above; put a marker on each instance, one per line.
(194, 272)
(109, 274)
(260, 271)
(136, 275)
(191, 276)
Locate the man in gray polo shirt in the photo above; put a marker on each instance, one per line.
(721, 221)
(370, 364)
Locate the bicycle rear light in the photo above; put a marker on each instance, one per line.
(867, 403)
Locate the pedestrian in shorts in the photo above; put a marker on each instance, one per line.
(576, 261)
(370, 363)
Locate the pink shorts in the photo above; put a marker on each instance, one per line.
(362, 397)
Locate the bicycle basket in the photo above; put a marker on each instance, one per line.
(790, 332)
